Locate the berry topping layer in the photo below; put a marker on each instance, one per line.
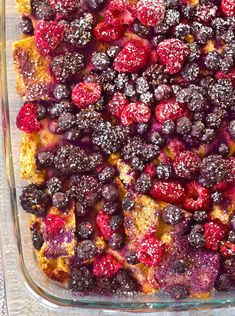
(128, 143)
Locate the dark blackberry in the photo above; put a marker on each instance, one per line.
(137, 164)
(226, 63)
(110, 138)
(66, 121)
(231, 236)
(172, 215)
(113, 51)
(129, 90)
(110, 192)
(222, 93)
(61, 92)
(131, 257)
(88, 119)
(156, 75)
(231, 129)
(150, 152)
(180, 266)
(105, 285)
(200, 216)
(223, 150)
(64, 67)
(220, 27)
(143, 184)
(208, 136)
(142, 128)
(124, 283)
(42, 10)
(232, 222)
(85, 250)
(95, 5)
(197, 102)
(147, 97)
(141, 30)
(41, 111)
(100, 60)
(26, 26)
(142, 85)
(116, 241)
(100, 105)
(132, 148)
(213, 60)
(58, 108)
(164, 171)
(121, 80)
(188, 11)
(116, 222)
(223, 282)
(183, 126)
(73, 135)
(202, 33)
(229, 266)
(85, 230)
(172, 17)
(78, 33)
(182, 30)
(37, 239)
(213, 120)
(65, 8)
(157, 139)
(34, 200)
(54, 185)
(172, 4)
(86, 189)
(108, 88)
(107, 174)
(198, 129)
(111, 207)
(206, 82)
(128, 203)
(60, 200)
(161, 29)
(194, 51)
(156, 40)
(213, 169)
(183, 95)
(81, 280)
(107, 76)
(196, 239)
(217, 197)
(161, 92)
(80, 210)
(44, 159)
(190, 72)
(178, 292)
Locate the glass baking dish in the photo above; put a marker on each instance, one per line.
(38, 284)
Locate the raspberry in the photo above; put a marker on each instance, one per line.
(26, 119)
(150, 12)
(168, 191)
(172, 53)
(197, 197)
(214, 233)
(228, 7)
(54, 224)
(175, 147)
(48, 35)
(231, 168)
(108, 33)
(132, 58)
(81, 280)
(227, 249)
(186, 164)
(106, 266)
(170, 110)
(85, 93)
(135, 112)
(103, 222)
(117, 104)
(119, 12)
(64, 7)
(150, 250)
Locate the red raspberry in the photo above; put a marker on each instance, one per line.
(225, 75)
(197, 197)
(214, 233)
(227, 249)
(117, 104)
(135, 112)
(106, 266)
(108, 33)
(150, 250)
(175, 147)
(150, 12)
(170, 110)
(85, 93)
(26, 119)
(186, 164)
(231, 169)
(132, 58)
(54, 224)
(103, 222)
(228, 7)
(168, 191)
(64, 7)
(172, 53)
(48, 35)
(150, 170)
(120, 12)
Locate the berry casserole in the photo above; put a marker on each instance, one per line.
(128, 143)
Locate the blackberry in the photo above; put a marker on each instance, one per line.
(65, 8)
(113, 51)
(34, 200)
(213, 120)
(213, 169)
(108, 88)
(231, 129)
(183, 126)
(188, 11)
(107, 174)
(37, 239)
(182, 30)
(85, 230)
(164, 171)
(156, 75)
(107, 76)
(54, 185)
(197, 102)
(180, 266)
(60, 200)
(121, 80)
(178, 291)
(200, 216)
(198, 128)
(161, 92)
(232, 222)
(100, 60)
(137, 164)
(110, 207)
(190, 72)
(229, 266)
(81, 280)
(198, 116)
(150, 152)
(110, 192)
(131, 257)
(161, 29)
(147, 97)
(61, 92)
(124, 283)
(66, 121)
(213, 60)
(223, 282)
(105, 285)
(88, 119)
(116, 241)
(196, 239)
(58, 108)
(208, 136)
(128, 203)
(99, 105)
(141, 30)
(86, 189)
(73, 134)
(42, 10)
(156, 40)
(129, 90)
(85, 250)
(217, 197)
(44, 159)
(143, 184)
(157, 139)
(132, 148)
(172, 215)
(202, 33)
(222, 93)
(142, 128)
(95, 5)
(142, 85)
(194, 51)
(226, 63)
(116, 222)
(223, 150)
(220, 27)
(26, 26)
(78, 33)
(206, 82)
(41, 111)
(172, 17)
(80, 210)
(183, 95)
(110, 138)
(231, 236)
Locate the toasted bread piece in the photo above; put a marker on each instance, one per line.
(32, 71)
(23, 6)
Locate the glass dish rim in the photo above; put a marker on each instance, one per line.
(38, 292)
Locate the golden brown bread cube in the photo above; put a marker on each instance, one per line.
(23, 6)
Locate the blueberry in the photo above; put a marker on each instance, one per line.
(231, 129)
(157, 139)
(131, 257)
(85, 250)
(168, 127)
(61, 92)
(85, 230)
(107, 174)
(116, 222)
(37, 239)
(116, 241)
(41, 111)
(223, 282)
(73, 134)
(142, 128)
(217, 197)
(172, 215)
(141, 30)
(183, 126)
(80, 210)
(143, 184)
(128, 204)
(110, 192)
(111, 207)
(196, 239)
(223, 149)
(58, 108)
(113, 51)
(231, 236)
(60, 200)
(26, 26)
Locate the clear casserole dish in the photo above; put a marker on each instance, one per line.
(43, 288)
